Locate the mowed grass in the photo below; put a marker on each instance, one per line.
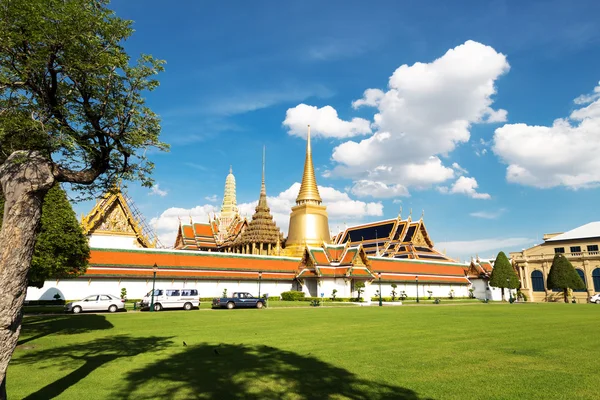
(470, 351)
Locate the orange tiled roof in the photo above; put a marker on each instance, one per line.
(179, 273)
(416, 267)
(192, 260)
(203, 230)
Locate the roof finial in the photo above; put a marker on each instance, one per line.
(400, 213)
(422, 213)
(410, 213)
(230, 169)
(309, 191)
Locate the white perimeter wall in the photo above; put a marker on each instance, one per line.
(137, 288)
(113, 242)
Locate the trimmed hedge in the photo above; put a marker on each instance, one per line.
(292, 295)
(45, 302)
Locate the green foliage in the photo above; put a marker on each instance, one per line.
(451, 294)
(333, 294)
(57, 296)
(562, 275)
(123, 293)
(502, 272)
(224, 293)
(359, 286)
(315, 303)
(403, 295)
(430, 293)
(394, 286)
(292, 295)
(61, 249)
(69, 90)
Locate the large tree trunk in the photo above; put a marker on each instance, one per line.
(566, 295)
(25, 178)
(503, 294)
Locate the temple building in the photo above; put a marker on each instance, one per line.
(229, 252)
(579, 246)
(262, 236)
(220, 232)
(115, 222)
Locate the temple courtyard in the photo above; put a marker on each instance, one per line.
(462, 351)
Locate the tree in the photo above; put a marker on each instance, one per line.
(563, 276)
(69, 92)
(503, 274)
(359, 286)
(394, 286)
(61, 249)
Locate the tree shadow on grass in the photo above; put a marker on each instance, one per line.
(251, 372)
(39, 326)
(91, 355)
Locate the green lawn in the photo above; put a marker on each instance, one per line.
(471, 351)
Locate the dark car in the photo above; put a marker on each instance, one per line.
(239, 299)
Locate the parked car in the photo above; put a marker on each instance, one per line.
(96, 302)
(171, 298)
(595, 298)
(239, 299)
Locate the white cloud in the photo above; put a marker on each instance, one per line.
(340, 207)
(323, 121)
(483, 247)
(459, 169)
(467, 186)
(157, 191)
(212, 199)
(364, 188)
(427, 110)
(488, 214)
(563, 154)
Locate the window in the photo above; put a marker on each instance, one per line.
(558, 250)
(189, 292)
(592, 247)
(104, 298)
(582, 276)
(537, 281)
(173, 293)
(91, 298)
(596, 279)
(575, 249)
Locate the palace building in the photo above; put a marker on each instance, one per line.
(230, 252)
(579, 246)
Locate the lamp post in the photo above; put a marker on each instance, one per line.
(417, 282)
(379, 275)
(154, 269)
(259, 279)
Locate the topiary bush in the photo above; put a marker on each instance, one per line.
(292, 295)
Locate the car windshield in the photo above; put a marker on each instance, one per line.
(157, 292)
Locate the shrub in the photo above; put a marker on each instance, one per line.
(403, 295)
(394, 286)
(471, 294)
(451, 294)
(333, 293)
(224, 293)
(123, 293)
(315, 303)
(430, 292)
(359, 286)
(45, 302)
(56, 296)
(437, 301)
(292, 295)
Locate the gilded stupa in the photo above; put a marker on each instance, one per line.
(229, 209)
(309, 223)
(262, 236)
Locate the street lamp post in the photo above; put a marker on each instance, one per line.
(417, 281)
(154, 269)
(379, 275)
(259, 279)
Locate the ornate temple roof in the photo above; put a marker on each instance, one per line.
(116, 214)
(309, 191)
(395, 238)
(229, 207)
(262, 228)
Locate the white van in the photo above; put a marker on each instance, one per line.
(171, 298)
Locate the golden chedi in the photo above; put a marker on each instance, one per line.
(309, 223)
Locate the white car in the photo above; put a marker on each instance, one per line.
(595, 298)
(96, 302)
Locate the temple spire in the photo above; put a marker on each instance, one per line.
(262, 200)
(309, 192)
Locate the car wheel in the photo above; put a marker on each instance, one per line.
(230, 305)
(187, 306)
(157, 307)
(598, 301)
(112, 308)
(259, 305)
(76, 310)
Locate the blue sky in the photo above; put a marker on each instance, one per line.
(466, 97)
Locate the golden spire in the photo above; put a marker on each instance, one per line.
(309, 192)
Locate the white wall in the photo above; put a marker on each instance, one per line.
(483, 291)
(113, 242)
(136, 288)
